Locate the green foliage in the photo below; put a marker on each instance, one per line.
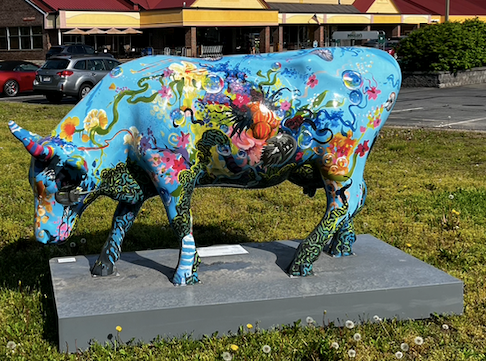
(451, 46)
(427, 197)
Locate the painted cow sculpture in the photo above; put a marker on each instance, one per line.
(163, 125)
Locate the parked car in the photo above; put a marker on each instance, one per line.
(72, 49)
(16, 76)
(71, 75)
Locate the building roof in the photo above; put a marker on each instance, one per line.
(107, 5)
(313, 8)
(432, 7)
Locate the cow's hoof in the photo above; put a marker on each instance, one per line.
(183, 278)
(102, 269)
(302, 270)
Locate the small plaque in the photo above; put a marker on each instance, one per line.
(66, 260)
(215, 251)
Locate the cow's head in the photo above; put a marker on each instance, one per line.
(58, 176)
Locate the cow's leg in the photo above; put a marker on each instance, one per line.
(335, 233)
(311, 247)
(180, 218)
(344, 238)
(123, 219)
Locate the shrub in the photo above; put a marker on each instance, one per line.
(451, 46)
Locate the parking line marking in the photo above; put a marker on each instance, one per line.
(461, 122)
(405, 110)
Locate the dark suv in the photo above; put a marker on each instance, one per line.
(71, 75)
(73, 49)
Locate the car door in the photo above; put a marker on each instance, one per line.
(26, 77)
(97, 69)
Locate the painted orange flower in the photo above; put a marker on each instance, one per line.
(68, 127)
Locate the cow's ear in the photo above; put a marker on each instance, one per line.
(78, 163)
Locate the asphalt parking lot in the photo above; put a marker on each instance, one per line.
(447, 108)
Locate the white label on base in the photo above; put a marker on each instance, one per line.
(215, 251)
(66, 260)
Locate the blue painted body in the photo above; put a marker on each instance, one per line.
(163, 125)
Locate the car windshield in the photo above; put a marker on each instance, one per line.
(55, 49)
(56, 64)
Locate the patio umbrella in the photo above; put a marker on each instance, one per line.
(95, 31)
(75, 31)
(130, 32)
(113, 32)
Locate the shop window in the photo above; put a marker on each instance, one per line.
(3, 39)
(21, 38)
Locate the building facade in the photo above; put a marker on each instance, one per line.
(199, 27)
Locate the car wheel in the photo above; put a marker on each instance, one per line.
(84, 90)
(54, 98)
(11, 88)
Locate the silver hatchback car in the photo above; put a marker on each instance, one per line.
(71, 75)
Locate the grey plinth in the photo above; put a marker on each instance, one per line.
(239, 289)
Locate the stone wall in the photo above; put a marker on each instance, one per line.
(444, 79)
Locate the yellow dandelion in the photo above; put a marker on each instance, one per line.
(119, 328)
(249, 326)
(409, 245)
(234, 347)
(456, 212)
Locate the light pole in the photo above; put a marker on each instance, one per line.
(448, 5)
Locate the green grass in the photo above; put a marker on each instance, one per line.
(427, 196)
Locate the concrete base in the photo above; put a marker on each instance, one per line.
(239, 289)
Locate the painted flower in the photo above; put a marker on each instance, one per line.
(165, 92)
(168, 159)
(372, 93)
(68, 128)
(241, 100)
(312, 81)
(156, 160)
(252, 146)
(189, 73)
(285, 105)
(94, 119)
(168, 72)
(183, 140)
(179, 165)
(294, 123)
(374, 117)
(362, 148)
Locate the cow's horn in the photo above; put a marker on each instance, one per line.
(40, 152)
